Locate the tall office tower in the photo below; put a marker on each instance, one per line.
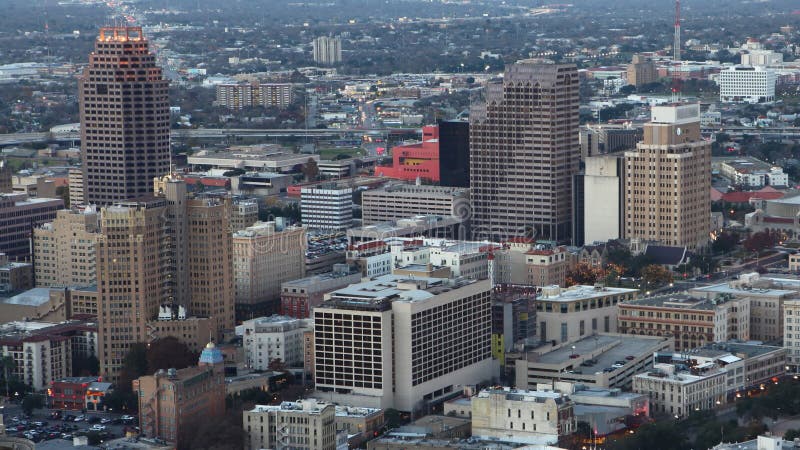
(124, 112)
(327, 50)
(6, 185)
(667, 180)
(454, 153)
(133, 262)
(172, 251)
(64, 250)
(524, 150)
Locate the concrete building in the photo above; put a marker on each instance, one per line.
(680, 392)
(405, 200)
(601, 360)
(43, 352)
(308, 424)
(261, 157)
(360, 424)
(14, 276)
(454, 153)
(273, 338)
(441, 329)
(173, 402)
(750, 172)
(244, 213)
(791, 333)
(603, 199)
(299, 297)
(523, 261)
(64, 250)
(265, 249)
(606, 410)
(327, 207)
(427, 226)
(415, 161)
(766, 302)
(327, 50)
(691, 321)
(569, 314)
(667, 180)
(641, 71)
(76, 197)
(237, 96)
(746, 84)
(522, 416)
(522, 161)
(463, 258)
(602, 138)
(122, 75)
(19, 216)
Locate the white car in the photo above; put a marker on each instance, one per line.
(98, 427)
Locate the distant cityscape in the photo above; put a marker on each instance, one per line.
(419, 224)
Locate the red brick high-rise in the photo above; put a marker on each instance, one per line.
(124, 110)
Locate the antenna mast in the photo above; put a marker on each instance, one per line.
(676, 44)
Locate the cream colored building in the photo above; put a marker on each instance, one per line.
(437, 330)
(406, 200)
(569, 314)
(263, 258)
(791, 333)
(691, 321)
(266, 339)
(76, 187)
(521, 416)
(304, 424)
(64, 249)
(679, 393)
(244, 213)
(667, 180)
(522, 261)
(641, 71)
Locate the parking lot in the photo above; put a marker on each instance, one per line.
(47, 424)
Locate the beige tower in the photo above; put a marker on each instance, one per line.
(64, 250)
(667, 180)
(132, 263)
(124, 113)
(642, 70)
(524, 150)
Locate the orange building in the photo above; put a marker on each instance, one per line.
(412, 161)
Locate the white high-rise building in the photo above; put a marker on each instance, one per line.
(326, 207)
(740, 84)
(401, 342)
(327, 50)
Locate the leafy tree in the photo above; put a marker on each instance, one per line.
(233, 172)
(663, 435)
(31, 402)
(725, 242)
(169, 352)
(85, 366)
(310, 170)
(791, 434)
(655, 275)
(63, 193)
(760, 241)
(619, 255)
(584, 273)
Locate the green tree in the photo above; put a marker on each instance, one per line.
(310, 169)
(169, 353)
(214, 433)
(791, 434)
(8, 364)
(63, 193)
(725, 242)
(31, 402)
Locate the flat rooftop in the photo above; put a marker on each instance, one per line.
(617, 348)
(583, 292)
(523, 395)
(681, 301)
(31, 297)
(726, 288)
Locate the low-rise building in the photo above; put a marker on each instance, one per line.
(568, 314)
(524, 261)
(691, 321)
(299, 297)
(405, 200)
(308, 424)
(77, 393)
(360, 424)
(14, 276)
(19, 216)
(601, 360)
(526, 417)
(273, 339)
(750, 172)
(607, 410)
(679, 392)
(172, 402)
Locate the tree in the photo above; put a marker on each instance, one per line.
(233, 172)
(8, 366)
(725, 242)
(655, 275)
(85, 366)
(169, 353)
(63, 193)
(31, 402)
(310, 170)
(760, 241)
(791, 434)
(584, 273)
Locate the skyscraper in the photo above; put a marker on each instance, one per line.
(524, 150)
(667, 180)
(124, 112)
(327, 50)
(454, 153)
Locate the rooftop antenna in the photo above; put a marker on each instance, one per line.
(676, 44)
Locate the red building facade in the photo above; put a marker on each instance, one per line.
(412, 161)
